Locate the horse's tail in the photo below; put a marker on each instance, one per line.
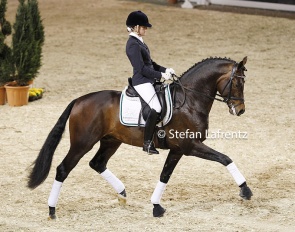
(43, 162)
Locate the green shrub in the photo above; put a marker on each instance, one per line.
(6, 61)
(27, 41)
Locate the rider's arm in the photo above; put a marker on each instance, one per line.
(140, 68)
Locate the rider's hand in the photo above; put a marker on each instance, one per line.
(166, 76)
(170, 70)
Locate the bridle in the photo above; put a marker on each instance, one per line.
(227, 99)
(230, 84)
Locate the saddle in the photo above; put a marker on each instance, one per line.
(145, 108)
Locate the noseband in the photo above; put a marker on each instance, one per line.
(176, 80)
(230, 84)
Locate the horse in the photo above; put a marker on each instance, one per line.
(95, 117)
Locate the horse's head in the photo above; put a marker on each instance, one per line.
(231, 88)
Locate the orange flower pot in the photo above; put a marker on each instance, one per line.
(17, 95)
(2, 95)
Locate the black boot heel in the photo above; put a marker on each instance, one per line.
(149, 147)
(150, 124)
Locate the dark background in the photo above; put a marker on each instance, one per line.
(292, 2)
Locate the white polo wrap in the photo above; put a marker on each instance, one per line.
(113, 180)
(55, 191)
(158, 192)
(237, 175)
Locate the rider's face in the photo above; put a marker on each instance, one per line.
(142, 30)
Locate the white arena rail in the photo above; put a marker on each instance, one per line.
(241, 3)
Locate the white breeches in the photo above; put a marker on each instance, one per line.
(148, 94)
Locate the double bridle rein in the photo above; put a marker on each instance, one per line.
(176, 81)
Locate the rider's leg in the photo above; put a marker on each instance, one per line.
(148, 94)
(148, 144)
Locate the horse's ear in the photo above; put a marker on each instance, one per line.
(243, 62)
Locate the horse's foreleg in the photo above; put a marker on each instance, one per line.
(205, 152)
(108, 146)
(170, 163)
(245, 191)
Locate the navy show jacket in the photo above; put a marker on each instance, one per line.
(144, 68)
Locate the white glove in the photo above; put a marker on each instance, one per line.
(170, 70)
(166, 76)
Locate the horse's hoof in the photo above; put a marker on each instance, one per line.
(122, 197)
(158, 210)
(122, 200)
(51, 217)
(51, 213)
(246, 193)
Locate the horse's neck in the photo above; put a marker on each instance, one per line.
(200, 84)
(204, 75)
(201, 87)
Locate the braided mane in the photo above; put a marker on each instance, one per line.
(204, 60)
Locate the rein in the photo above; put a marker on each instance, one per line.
(176, 81)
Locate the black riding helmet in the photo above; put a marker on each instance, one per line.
(137, 18)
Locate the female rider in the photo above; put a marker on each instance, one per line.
(145, 73)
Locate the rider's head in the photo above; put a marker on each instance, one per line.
(137, 19)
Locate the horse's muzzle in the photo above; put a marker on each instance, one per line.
(237, 109)
(241, 112)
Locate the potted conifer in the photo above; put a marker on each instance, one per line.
(27, 42)
(6, 62)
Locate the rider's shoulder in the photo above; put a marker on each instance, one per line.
(132, 41)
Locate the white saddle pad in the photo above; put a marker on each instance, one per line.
(130, 108)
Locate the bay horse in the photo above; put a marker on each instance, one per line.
(95, 117)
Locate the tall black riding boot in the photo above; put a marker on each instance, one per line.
(149, 129)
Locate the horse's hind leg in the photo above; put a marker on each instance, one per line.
(62, 171)
(108, 146)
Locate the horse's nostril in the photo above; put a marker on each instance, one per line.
(241, 112)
